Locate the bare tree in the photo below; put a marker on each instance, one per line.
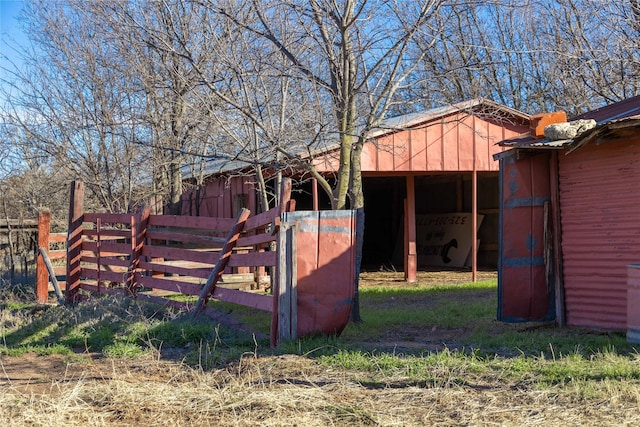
(66, 109)
(144, 35)
(355, 56)
(99, 95)
(535, 56)
(595, 54)
(269, 114)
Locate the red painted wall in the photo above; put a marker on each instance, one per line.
(221, 198)
(600, 216)
(443, 145)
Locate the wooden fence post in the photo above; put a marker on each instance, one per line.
(287, 270)
(278, 284)
(139, 224)
(74, 240)
(42, 274)
(285, 195)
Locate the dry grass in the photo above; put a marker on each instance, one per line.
(295, 391)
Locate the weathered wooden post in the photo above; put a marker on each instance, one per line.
(285, 206)
(42, 274)
(411, 254)
(633, 302)
(74, 240)
(287, 271)
(139, 224)
(223, 259)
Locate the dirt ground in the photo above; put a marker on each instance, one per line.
(281, 390)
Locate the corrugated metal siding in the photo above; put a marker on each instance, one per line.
(600, 215)
(524, 294)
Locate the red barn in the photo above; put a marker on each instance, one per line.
(437, 163)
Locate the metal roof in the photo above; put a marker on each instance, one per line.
(394, 124)
(387, 126)
(605, 131)
(610, 118)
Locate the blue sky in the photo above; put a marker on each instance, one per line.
(9, 10)
(10, 32)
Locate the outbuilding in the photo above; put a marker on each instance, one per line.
(425, 175)
(570, 221)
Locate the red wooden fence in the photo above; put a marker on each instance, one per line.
(56, 255)
(156, 256)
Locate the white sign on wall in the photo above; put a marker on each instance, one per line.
(444, 239)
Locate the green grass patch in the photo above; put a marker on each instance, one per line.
(181, 332)
(257, 320)
(17, 305)
(546, 340)
(122, 349)
(448, 367)
(40, 350)
(397, 309)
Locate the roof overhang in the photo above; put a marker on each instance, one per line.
(606, 132)
(602, 132)
(407, 121)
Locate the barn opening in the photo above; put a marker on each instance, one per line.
(435, 194)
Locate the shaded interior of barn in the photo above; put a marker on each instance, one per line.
(442, 193)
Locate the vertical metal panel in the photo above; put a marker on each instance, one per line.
(419, 149)
(434, 147)
(524, 293)
(449, 141)
(402, 150)
(368, 159)
(484, 146)
(633, 303)
(466, 144)
(384, 148)
(325, 254)
(600, 216)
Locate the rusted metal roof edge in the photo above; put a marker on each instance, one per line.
(514, 151)
(608, 128)
(399, 123)
(603, 130)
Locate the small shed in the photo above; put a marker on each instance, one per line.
(422, 173)
(570, 222)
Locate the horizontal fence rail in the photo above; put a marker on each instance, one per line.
(163, 254)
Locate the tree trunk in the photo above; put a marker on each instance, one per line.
(12, 255)
(175, 189)
(344, 173)
(262, 189)
(357, 195)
